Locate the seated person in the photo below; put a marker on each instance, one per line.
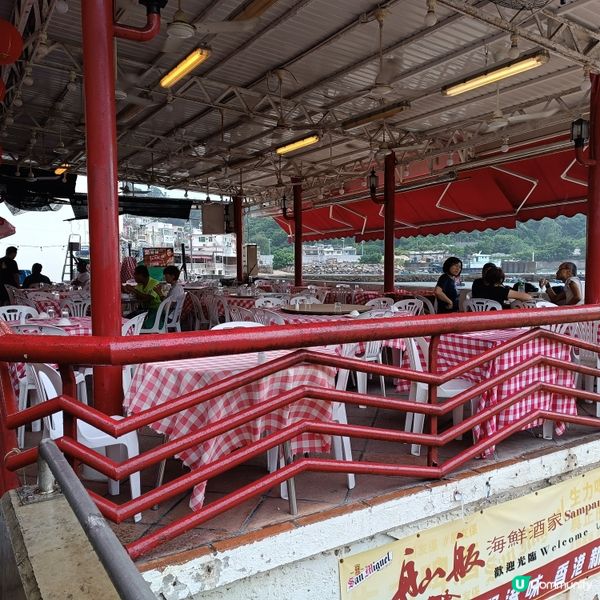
(571, 293)
(146, 292)
(36, 277)
(495, 290)
(479, 283)
(82, 279)
(171, 275)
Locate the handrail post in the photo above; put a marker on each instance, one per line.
(592, 276)
(8, 437)
(69, 389)
(432, 451)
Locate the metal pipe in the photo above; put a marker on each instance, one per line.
(297, 187)
(103, 207)
(127, 580)
(238, 223)
(389, 184)
(592, 257)
(8, 436)
(143, 34)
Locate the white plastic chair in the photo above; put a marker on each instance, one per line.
(174, 314)
(588, 332)
(214, 303)
(76, 308)
(303, 300)
(236, 325)
(49, 385)
(267, 317)
(481, 305)
(417, 348)
(268, 302)
(133, 326)
(17, 313)
(26, 384)
(380, 303)
(160, 321)
(410, 305)
(428, 306)
(199, 319)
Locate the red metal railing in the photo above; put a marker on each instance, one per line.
(119, 351)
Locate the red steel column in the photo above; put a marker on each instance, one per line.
(592, 257)
(103, 208)
(389, 183)
(239, 236)
(297, 187)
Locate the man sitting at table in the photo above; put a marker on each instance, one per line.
(82, 280)
(494, 288)
(36, 277)
(146, 292)
(571, 293)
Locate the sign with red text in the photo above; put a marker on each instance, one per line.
(159, 257)
(533, 547)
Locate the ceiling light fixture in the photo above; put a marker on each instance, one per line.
(430, 17)
(61, 7)
(497, 73)
(513, 51)
(28, 79)
(586, 84)
(383, 112)
(187, 65)
(505, 147)
(372, 181)
(64, 167)
(303, 143)
(18, 100)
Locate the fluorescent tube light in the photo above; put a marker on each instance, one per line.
(187, 65)
(497, 73)
(380, 113)
(307, 141)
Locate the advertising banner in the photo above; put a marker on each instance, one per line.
(536, 546)
(158, 257)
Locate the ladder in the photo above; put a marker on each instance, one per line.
(73, 246)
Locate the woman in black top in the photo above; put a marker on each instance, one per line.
(445, 290)
(495, 290)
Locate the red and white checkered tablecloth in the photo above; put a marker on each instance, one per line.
(158, 383)
(455, 349)
(79, 325)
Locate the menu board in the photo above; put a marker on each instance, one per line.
(159, 257)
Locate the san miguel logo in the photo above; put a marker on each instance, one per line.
(361, 575)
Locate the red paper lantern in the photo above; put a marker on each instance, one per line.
(11, 43)
(2, 90)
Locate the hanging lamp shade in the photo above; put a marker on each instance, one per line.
(11, 43)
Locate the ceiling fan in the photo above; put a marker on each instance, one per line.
(31, 177)
(499, 120)
(180, 28)
(389, 70)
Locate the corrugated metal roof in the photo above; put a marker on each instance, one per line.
(322, 59)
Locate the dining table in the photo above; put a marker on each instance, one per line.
(454, 349)
(158, 383)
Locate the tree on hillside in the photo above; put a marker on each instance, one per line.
(283, 257)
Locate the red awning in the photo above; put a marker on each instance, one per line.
(484, 198)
